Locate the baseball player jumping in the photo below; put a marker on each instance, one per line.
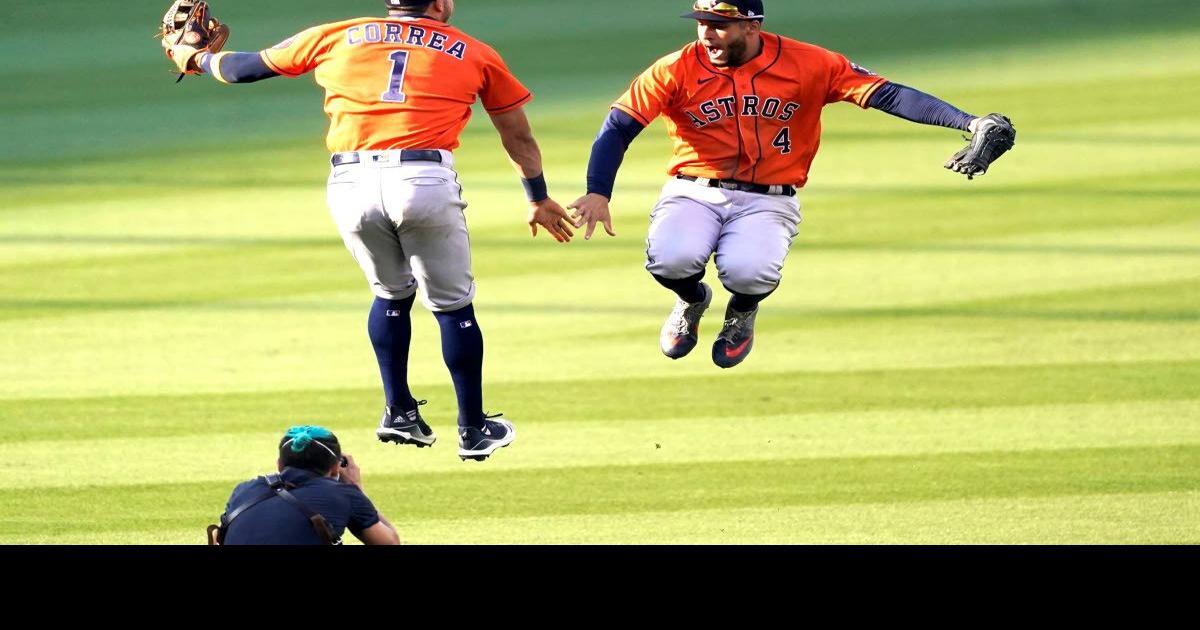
(398, 93)
(743, 108)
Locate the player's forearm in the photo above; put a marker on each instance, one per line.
(526, 158)
(524, 153)
(905, 102)
(516, 136)
(608, 151)
(235, 67)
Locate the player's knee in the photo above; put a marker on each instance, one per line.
(674, 264)
(394, 290)
(750, 279)
(448, 299)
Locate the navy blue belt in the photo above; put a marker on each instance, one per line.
(733, 184)
(406, 155)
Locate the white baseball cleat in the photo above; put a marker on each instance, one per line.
(479, 443)
(404, 427)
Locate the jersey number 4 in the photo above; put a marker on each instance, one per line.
(783, 141)
(395, 92)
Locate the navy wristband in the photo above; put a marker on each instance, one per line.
(535, 188)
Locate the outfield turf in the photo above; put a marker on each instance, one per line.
(1010, 360)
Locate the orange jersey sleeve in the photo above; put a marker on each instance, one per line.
(298, 54)
(850, 82)
(502, 92)
(653, 91)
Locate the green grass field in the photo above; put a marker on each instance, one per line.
(1010, 360)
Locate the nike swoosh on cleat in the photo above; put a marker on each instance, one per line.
(734, 353)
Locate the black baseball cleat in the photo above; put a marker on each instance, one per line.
(404, 427)
(479, 443)
(682, 328)
(736, 338)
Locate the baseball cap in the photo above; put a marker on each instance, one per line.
(726, 10)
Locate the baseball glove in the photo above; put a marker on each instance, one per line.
(187, 30)
(994, 136)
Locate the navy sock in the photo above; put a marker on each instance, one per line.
(462, 349)
(390, 328)
(688, 289)
(743, 303)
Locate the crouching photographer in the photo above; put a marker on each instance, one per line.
(314, 498)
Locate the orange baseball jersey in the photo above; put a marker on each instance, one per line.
(759, 122)
(398, 83)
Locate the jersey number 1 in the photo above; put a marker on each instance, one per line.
(783, 141)
(395, 93)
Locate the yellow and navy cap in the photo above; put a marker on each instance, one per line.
(726, 10)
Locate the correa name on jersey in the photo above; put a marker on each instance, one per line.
(752, 106)
(393, 33)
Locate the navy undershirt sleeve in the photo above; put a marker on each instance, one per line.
(608, 151)
(909, 104)
(240, 67)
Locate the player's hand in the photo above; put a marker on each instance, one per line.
(548, 214)
(185, 56)
(591, 209)
(350, 473)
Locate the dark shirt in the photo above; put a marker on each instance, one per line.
(277, 522)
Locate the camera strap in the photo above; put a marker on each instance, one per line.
(278, 488)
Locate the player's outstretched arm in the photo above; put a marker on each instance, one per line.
(226, 67)
(194, 41)
(905, 102)
(992, 136)
(235, 67)
(608, 151)
(517, 137)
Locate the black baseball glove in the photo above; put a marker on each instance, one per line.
(994, 136)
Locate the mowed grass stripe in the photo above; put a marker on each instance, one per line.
(1153, 301)
(600, 442)
(1098, 519)
(194, 353)
(193, 275)
(618, 400)
(651, 488)
(1150, 518)
(223, 277)
(1158, 302)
